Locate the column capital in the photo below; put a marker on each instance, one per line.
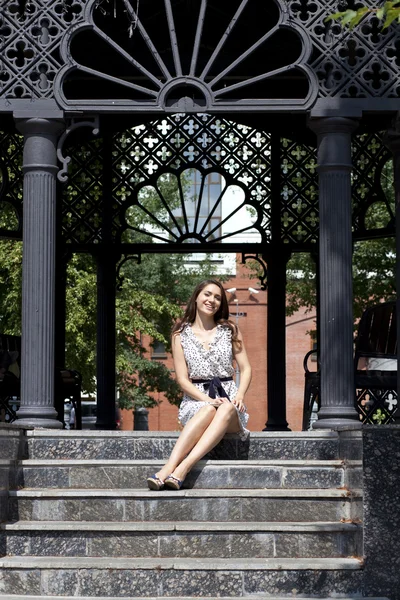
(328, 125)
(40, 126)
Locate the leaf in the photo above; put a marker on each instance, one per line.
(335, 16)
(360, 15)
(349, 16)
(391, 16)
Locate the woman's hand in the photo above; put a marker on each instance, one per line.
(238, 401)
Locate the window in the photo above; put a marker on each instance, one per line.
(159, 350)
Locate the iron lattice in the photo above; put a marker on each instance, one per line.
(360, 63)
(377, 407)
(240, 153)
(30, 41)
(83, 200)
(11, 185)
(203, 142)
(299, 194)
(370, 157)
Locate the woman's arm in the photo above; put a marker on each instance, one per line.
(240, 354)
(182, 376)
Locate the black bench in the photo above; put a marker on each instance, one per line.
(68, 384)
(375, 367)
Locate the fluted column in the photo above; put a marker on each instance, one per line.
(335, 270)
(392, 142)
(38, 272)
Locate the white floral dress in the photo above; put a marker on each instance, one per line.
(207, 364)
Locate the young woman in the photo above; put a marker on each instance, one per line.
(204, 344)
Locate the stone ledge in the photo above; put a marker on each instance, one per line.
(182, 564)
(87, 433)
(27, 597)
(193, 493)
(192, 526)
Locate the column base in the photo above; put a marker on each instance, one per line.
(38, 416)
(337, 417)
(276, 427)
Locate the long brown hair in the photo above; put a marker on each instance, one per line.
(221, 317)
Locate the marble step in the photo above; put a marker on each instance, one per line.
(122, 474)
(185, 505)
(143, 445)
(181, 539)
(127, 577)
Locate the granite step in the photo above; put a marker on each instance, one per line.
(171, 577)
(122, 474)
(181, 539)
(185, 505)
(143, 445)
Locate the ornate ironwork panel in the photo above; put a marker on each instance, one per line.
(186, 56)
(83, 195)
(373, 193)
(377, 407)
(201, 142)
(11, 185)
(241, 155)
(30, 38)
(299, 193)
(360, 63)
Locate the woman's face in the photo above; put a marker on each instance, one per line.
(209, 300)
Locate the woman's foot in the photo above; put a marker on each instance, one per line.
(173, 482)
(155, 483)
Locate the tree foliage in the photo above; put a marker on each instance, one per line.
(387, 14)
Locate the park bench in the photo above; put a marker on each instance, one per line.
(375, 367)
(68, 383)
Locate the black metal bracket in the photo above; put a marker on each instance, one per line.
(74, 124)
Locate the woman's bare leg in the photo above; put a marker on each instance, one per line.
(225, 421)
(191, 433)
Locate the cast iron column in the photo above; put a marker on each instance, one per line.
(38, 272)
(276, 332)
(392, 142)
(106, 339)
(336, 280)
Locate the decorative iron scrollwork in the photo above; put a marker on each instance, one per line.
(263, 276)
(74, 124)
(125, 259)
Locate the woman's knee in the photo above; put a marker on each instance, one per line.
(208, 411)
(226, 409)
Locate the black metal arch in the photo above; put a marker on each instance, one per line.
(158, 59)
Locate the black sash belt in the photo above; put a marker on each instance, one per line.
(214, 385)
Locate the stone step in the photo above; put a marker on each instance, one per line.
(122, 577)
(185, 505)
(142, 445)
(206, 474)
(181, 539)
(259, 597)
